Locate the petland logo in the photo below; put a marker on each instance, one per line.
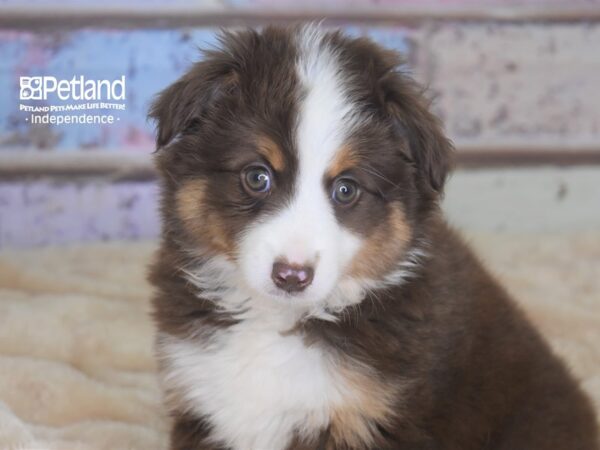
(51, 101)
(77, 88)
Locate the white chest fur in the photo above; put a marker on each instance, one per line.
(254, 385)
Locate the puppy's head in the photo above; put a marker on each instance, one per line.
(297, 166)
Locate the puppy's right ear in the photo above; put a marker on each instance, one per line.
(190, 99)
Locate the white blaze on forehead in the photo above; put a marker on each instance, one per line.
(306, 231)
(326, 115)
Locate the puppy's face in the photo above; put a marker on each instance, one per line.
(297, 166)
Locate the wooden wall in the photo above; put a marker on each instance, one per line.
(515, 83)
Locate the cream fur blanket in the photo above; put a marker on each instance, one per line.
(76, 365)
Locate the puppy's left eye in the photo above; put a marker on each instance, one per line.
(256, 179)
(345, 191)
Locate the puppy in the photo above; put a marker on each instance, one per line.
(309, 294)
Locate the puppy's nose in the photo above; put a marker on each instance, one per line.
(292, 277)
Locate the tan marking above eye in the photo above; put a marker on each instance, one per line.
(271, 152)
(344, 159)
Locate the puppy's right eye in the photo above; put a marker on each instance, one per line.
(256, 180)
(345, 191)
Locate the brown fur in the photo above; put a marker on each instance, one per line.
(345, 159)
(199, 221)
(479, 376)
(355, 425)
(383, 247)
(443, 361)
(271, 151)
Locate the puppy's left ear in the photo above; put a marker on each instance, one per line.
(171, 111)
(429, 148)
(190, 99)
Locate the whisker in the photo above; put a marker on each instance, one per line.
(371, 170)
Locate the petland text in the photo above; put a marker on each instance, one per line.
(77, 88)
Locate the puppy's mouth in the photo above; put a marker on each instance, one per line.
(282, 295)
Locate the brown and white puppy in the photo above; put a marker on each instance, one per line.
(309, 293)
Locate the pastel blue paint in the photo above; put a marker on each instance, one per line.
(395, 38)
(37, 213)
(150, 60)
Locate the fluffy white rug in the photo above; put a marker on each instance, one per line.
(76, 364)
